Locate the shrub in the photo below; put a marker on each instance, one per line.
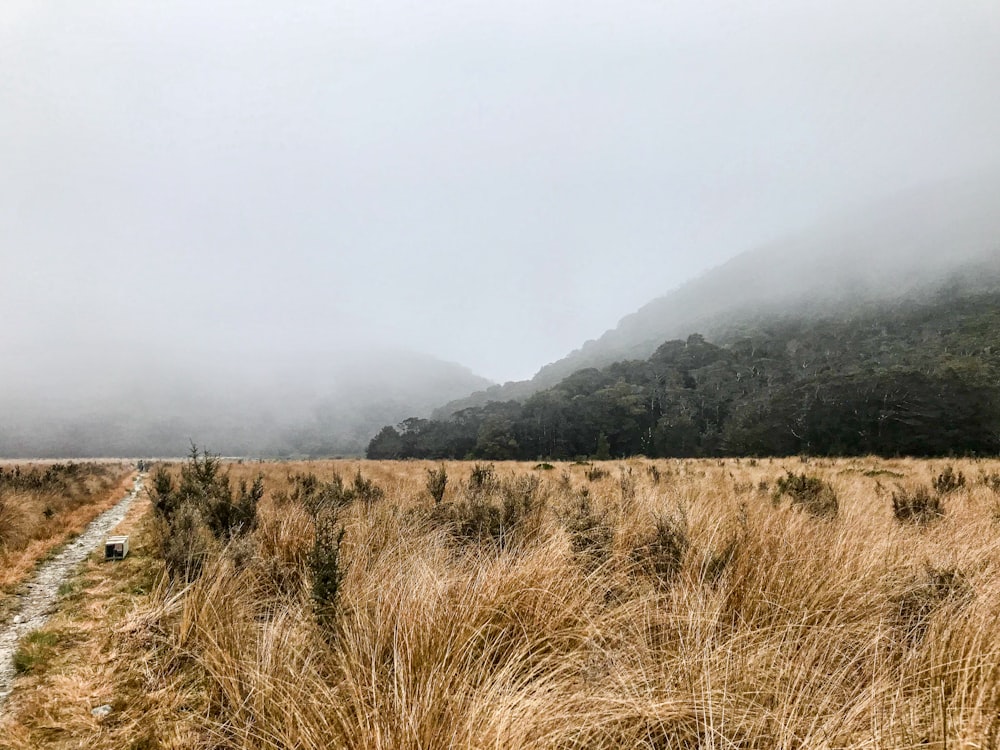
(325, 567)
(809, 493)
(654, 473)
(916, 505)
(319, 497)
(595, 473)
(992, 480)
(205, 487)
(365, 490)
(483, 478)
(512, 510)
(201, 508)
(948, 481)
(626, 485)
(187, 543)
(437, 481)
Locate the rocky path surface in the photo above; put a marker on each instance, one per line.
(38, 602)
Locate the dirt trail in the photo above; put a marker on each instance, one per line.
(38, 602)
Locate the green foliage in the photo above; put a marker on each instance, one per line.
(809, 493)
(916, 505)
(35, 650)
(482, 478)
(494, 510)
(325, 567)
(437, 481)
(603, 451)
(187, 543)
(366, 490)
(316, 496)
(201, 510)
(626, 485)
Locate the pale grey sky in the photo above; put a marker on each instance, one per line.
(490, 183)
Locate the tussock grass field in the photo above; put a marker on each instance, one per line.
(43, 504)
(633, 604)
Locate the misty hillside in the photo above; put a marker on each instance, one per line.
(305, 406)
(915, 378)
(896, 250)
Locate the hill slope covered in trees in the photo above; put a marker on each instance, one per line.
(881, 254)
(918, 377)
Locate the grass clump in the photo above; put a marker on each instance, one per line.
(916, 505)
(922, 595)
(809, 493)
(661, 551)
(590, 533)
(35, 650)
(494, 510)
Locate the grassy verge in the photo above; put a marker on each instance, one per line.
(69, 667)
(43, 507)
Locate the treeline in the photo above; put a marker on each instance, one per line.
(922, 379)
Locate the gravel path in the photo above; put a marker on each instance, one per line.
(39, 601)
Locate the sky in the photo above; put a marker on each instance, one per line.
(489, 183)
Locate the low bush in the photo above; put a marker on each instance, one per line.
(325, 567)
(808, 493)
(494, 510)
(437, 482)
(916, 505)
(201, 509)
(948, 481)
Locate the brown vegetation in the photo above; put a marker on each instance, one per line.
(43, 505)
(681, 608)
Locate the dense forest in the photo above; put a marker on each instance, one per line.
(920, 378)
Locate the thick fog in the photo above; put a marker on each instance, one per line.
(253, 192)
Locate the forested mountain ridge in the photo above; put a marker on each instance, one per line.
(884, 253)
(920, 377)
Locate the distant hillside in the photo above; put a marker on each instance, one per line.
(309, 406)
(914, 378)
(889, 252)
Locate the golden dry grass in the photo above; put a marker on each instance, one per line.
(35, 522)
(775, 629)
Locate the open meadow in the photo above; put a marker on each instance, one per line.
(795, 603)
